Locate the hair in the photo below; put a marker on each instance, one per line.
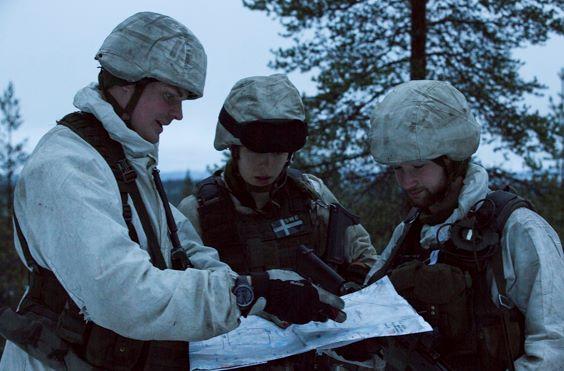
(453, 169)
(106, 80)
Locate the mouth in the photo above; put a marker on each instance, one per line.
(262, 178)
(415, 193)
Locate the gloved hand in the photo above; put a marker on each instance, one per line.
(291, 298)
(272, 318)
(355, 272)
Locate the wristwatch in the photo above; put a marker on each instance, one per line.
(244, 293)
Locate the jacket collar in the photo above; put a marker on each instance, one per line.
(89, 100)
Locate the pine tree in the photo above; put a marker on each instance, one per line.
(358, 49)
(188, 186)
(12, 156)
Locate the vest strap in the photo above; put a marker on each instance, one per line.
(91, 130)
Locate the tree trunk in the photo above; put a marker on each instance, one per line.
(418, 62)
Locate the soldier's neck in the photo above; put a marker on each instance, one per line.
(261, 199)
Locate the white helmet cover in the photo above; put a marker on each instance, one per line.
(259, 98)
(423, 120)
(152, 45)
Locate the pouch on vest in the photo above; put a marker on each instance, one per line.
(37, 336)
(492, 346)
(439, 292)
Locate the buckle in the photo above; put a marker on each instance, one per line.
(504, 301)
(127, 213)
(124, 172)
(179, 259)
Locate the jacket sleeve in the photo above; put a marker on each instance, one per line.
(533, 265)
(70, 212)
(385, 255)
(359, 248)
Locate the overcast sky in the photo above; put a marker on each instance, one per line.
(47, 49)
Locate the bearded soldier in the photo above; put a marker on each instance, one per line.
(483, 268)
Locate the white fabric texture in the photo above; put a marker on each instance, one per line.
(259, 97)
(69, 208)
(153, 45)
(533, 266)
(423, 120)
(358, 247)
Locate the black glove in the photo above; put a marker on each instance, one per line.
(293, 299)
(355, 272)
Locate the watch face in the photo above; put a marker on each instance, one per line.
(244, 295)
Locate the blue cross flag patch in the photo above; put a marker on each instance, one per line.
(287, 226)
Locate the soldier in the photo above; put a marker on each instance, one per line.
(117, 287)
(257, 211)
(481, 267)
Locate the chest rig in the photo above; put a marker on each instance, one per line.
(99, 347)
(261, 240)
(450, 286)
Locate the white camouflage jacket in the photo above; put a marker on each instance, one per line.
(69, 209)
(533, 266)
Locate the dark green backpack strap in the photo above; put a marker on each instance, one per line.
(91, 130)
(497, 208)
(217, 216)
(504, 204)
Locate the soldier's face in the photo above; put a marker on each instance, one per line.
(260, 169)
(159, 104)
(422, 181)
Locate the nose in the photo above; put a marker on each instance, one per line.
(406, 179)
(176, 111)
(265, 159)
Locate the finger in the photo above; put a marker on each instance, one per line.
(272, 318)
(334, 314)
(330, 299)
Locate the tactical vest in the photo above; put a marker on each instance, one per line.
(450, 287)
(99, 347)
(260, 241)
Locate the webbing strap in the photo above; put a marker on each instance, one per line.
(505, 204)
(91, 130)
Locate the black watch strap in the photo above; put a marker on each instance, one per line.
(260, 284)
(244, 294)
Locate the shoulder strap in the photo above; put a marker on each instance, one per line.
(298, 178)
(498, 206)
(505, 203)
(216, 210)
(209, 188)
(91, 130)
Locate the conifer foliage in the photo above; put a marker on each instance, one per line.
(357, 50)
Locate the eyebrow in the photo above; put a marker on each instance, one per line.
(183, 95)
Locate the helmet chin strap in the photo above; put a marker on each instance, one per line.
(126, 112)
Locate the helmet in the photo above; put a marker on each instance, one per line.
(423, 120)
(263, 113)
(151, 45)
